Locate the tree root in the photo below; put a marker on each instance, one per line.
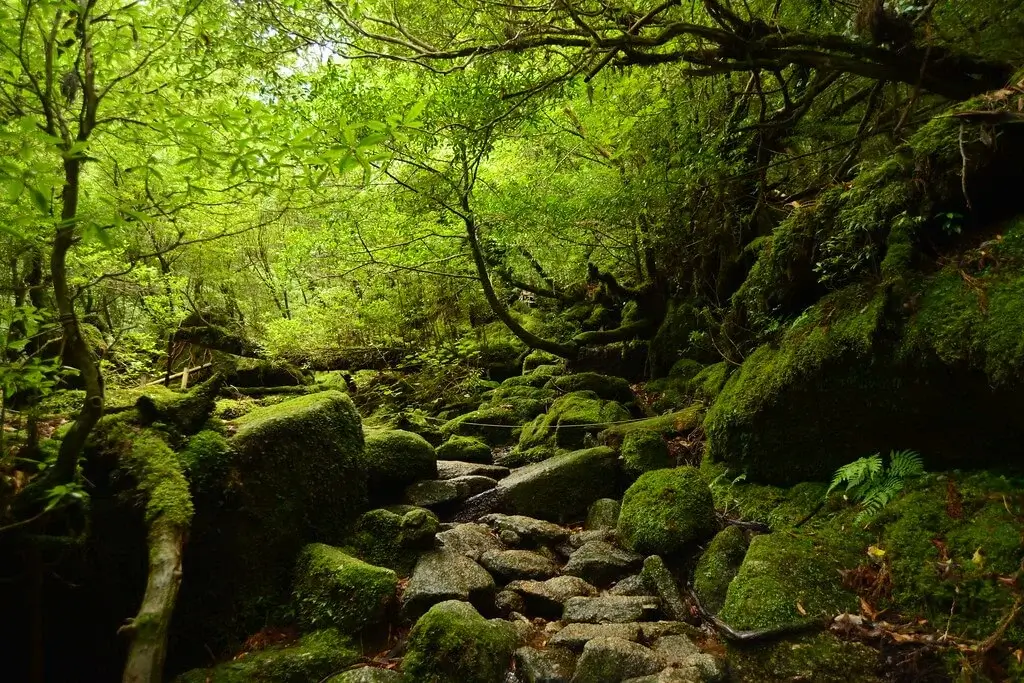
(757, 636)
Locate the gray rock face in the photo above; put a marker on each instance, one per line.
(601, 563)
(563, 487)
(675, 650)
(580, 538)
(656, 575)
(614, 659)
(445, 575)
(471, 485)
(547, 598)
(610, 609)
(511, 565)
(368, 674)
(631, 585)
(471, 540)
(507, 602)
(434, 492)
(686, 659)
(575, 636)
(603, 514)
(553, 665)
(529, 530)
(651, 631)
(451, 469)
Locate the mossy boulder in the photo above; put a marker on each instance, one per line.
(718, 566)
(452, 642)
(517, 458)
(536, 358)
(570, 419)
(785, 580)
(258, 372)
(707, 384)
(606, 387)
(394, 459)
(314, 657)
(644, 450)
(293, 474)
(666, 511)
(668, 425)
(205, 457)
(821, 657)
(563, 487)
(464, 449)
(494, 426)
(335, 590)
(394, 537)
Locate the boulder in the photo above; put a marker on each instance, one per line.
(601, 563)
(507, 602)
(563, 487)
(614, 659)
(494, 426)
(336, 590)
(453, 469)
(644, 450)
(444, 575)
(575, 636)
(512, 565)
(603, 514)
(547, 599)
(686, 662)
(470, 540)
(822, 658)
(534, 532)
(439, 492)
(394, 537)
(452, 642)
(464, 449)
(666, 511)
(570, 419)
(614, 609)
(606, 387)
(718, 566)
(631, 585)
(395, 459)
(657, 576)
(551, 665)
(368, 674)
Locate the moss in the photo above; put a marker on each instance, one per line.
(707, 384)
(394, 537)
(452, 642)
(821, 657)
(665, 511)
(673, 340)
(570, 419)
(519, 391)
(495, 426)
(537, 358)
(395, 459)
(518, 458)
(336, 590)
(669, 425)
(258, 372)
(316, 656)
(465, 449)
(533, 379)
(784, 580)
(158, 471)
(685, 369)
(520, 408)
(644, 450)
(718, 566)
(606, 387)
(233, 408)
(186, 412)
(668, 394)
(562, 487)
(206, 456)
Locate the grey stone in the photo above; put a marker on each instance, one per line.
(656, 575)
(450, 469)
(368, 674)
(601, 563)
(675, 650)
(511, 565)
(547, 598)
(530, 530)
(563, 487)
(509, 537)
(443, 575)
(631, 585)
(432, 492)
(552, 665)
(471, 540)
(474, 507)
(603, 514)
(610, 609)
(473, 485)
(575, 636)
(614, 659)
(653, 630)
(507, 602)
(580, 538)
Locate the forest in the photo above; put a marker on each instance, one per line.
(511, 341)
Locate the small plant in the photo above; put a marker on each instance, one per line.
(872, 484)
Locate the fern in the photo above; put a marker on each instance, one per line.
(872, 484)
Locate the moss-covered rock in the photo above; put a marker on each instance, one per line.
(258, 372)
(668, 425)
(465, 449)
(643, 451)
(665, 511)
(394, 459)
(495, 426)
(718, 566)
(205, 457)
(517, 458)
(452, 642)
(563, 487)
(394, 537)
(785, 580)
(314, 657)
(536, 358)
(570, 419)
(335, 590)
(820, 657)
(294, 474)
(707, 384)
(606, 387)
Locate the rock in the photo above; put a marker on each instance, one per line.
(718, 566)
(452, 642)
(563, 487)
(509, 537)
(631, 585)
(480, 423)
(578, 539)
(575, 636)
(614, 659)
(603, 514)
(394, 537)
(821, 658)
(779, 573)
(665, 511)
(508, 601)
(651, 631)
(294, 474)
(439, 492)
(656, 575)
(477, 506)
(396, 458)
(450, 469)
(675, 650)
(444, 575)
(511, 565)
(551, 665)
(610, 609)
(547, 598)
(471, 540)
(465, 449)
(644, 450)
(336, 590)
(315, 656)
(570, 420)
(674, 675)
(686, 661)
(606, 387)
(368, 674)
(472, 485)
(601, 563)
(535, 532)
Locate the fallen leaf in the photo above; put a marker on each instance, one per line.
(800, 609)
(875, 551)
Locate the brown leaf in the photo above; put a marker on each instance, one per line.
(800, 609)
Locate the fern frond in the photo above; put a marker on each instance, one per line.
(857, 472)
(905, 463)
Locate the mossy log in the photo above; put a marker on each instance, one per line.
(187, 412)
